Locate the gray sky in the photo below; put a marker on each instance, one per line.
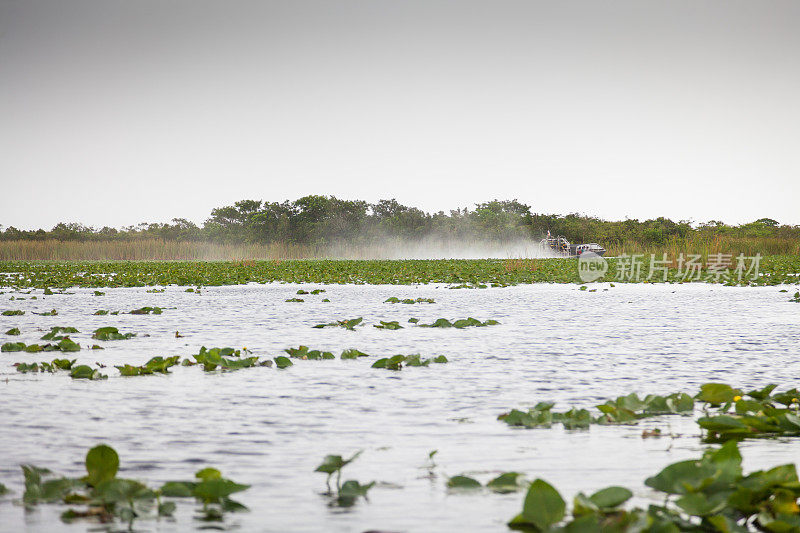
(117, 112)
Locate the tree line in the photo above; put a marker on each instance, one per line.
(320, 220)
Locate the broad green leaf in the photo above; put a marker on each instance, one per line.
(543, 505)
(102, 463)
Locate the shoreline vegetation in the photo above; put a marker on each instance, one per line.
(456, 273)
(325, 227)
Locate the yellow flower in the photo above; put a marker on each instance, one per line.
(737, 398)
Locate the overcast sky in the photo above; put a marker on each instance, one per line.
(116, 112)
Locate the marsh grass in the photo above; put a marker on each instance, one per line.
(147, 250)
(165, 250)
(710, 245)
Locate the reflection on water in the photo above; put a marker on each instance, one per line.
(270, 428)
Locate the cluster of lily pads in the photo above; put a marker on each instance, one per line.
(623, 410)
(459, 273)
(156, 365)
(313, 292)
(349, 324)
(458, 324)
(729, 413)
(110, 333)
(102, 496)
(396, 362)
(709, 494)
(504, 483)
(44, 366)
(64, 344)
(224, 359)
(147, 310)
(395, 300)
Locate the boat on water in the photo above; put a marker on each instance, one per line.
(561, 246)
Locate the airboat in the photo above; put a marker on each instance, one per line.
(561, 246)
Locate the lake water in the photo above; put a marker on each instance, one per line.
(270, 428)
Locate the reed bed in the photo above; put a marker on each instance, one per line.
(163, 250)
(710, 245)
(146, 250)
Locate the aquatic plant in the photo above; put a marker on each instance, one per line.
(86, 372)
(773, 270)
(154, 365)
(12, 347)
(302, 352)
(706, 494)
(623, 410)
(294, 300)
(349, 324)
(105, 497)
(395, 300)
(283, 362)
(64, 345)
(110, 333)
(58, 332)
(13, 312)
(463, 482)
(504, 483)
(388, 325)
(756, 414)
(459, 324)
(52, 312)
(348, 492)
(223, 359)
(396, 362)
(13, 331)
(44, 366)
(352, 353)
(146, 311)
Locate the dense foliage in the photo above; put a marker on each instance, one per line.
(320, 220)
(460, 273)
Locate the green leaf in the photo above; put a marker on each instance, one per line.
(681, 477)
(214, 490)
(463, 482)
(178, 489)
(283, 362)
(717, 393)
(102, 463)
(122, 491)
(207, 474)
(610, 497)
(543, 506)
(507, 482)
(700, 504)
(332, 463)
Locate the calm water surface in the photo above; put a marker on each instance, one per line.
(270, 428)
